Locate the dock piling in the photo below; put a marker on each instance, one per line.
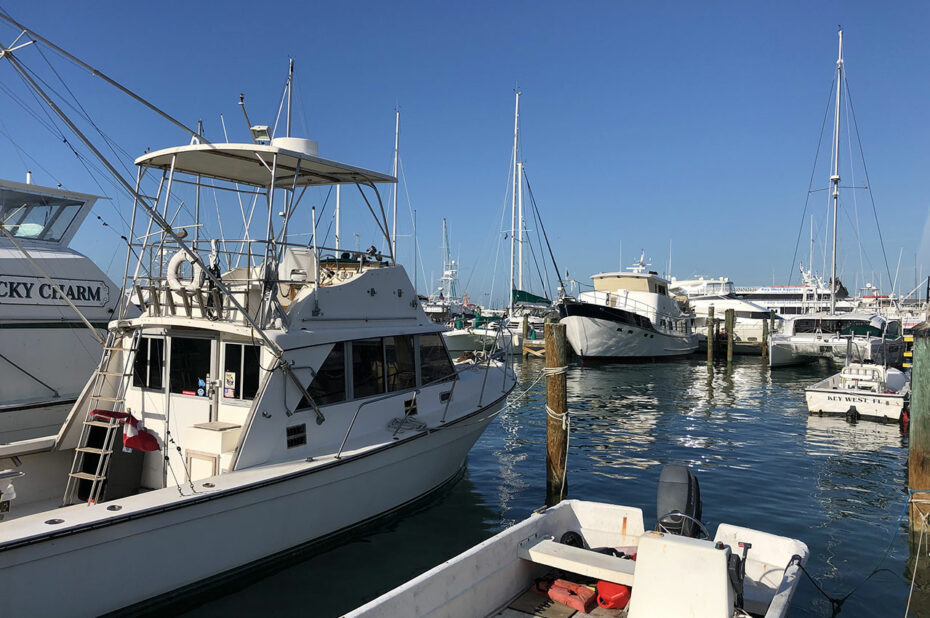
(556, 414)
(730, 323)
(710, 336)
(765, 342)
(919, 439)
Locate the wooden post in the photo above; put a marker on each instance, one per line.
(919, 440)
(717, 335)
(525, 334)
(765, 341)
(556, 414)
(771, 322)
(731, 322)
(710, 336)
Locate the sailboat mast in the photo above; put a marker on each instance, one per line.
(513, 196)
(445, 255)
(835, 177)
(520, 226)
(394, 209)
(337, 219)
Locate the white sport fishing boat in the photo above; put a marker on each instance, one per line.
(628, 316)
(738, 572)
(269, 396)
(52, 298)
(862, 390)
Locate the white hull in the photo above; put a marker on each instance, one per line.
(248, 516)
(594, 338)
(469, 340)
(871, 405)
(488, 577)
(797, 350)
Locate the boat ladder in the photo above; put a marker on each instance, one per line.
(95, 446)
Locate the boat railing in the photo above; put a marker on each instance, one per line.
(162, 290)
(648, 311)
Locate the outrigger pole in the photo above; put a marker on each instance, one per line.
(159, 220)
(103, 76)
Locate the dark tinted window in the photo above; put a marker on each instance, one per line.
(190, 366)
(434, 359)
(240, 371)
(367, 367)
(401, 366)
(329, 384)
(148, 364)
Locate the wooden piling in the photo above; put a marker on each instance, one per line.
(919, 440)
(765, 342)
(525, 334)
(710, 336)
(556, 414)
(730, 324)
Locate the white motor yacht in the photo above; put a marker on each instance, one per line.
(702, 294)
(628, 316)
(54, 308)
(270, 395)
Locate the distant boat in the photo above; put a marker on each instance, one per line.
(606, 556)
(861, 390)
(629, 316)
(806, 337)
(750, 318)
(47, 348)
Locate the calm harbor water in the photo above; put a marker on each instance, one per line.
(761, 461)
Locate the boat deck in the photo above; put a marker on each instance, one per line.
(532, 603)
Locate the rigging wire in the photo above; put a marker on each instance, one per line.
(868, 183)
(810, 184)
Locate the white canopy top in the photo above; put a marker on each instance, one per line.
(252, 163)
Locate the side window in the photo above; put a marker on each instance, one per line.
(367, 367)
(434, 359)
(190, 366)
(401, 367)
(240, 370)
(149, 363)
(329, 384)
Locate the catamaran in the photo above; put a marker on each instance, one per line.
(270, 394)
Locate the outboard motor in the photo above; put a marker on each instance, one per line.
(679, 492)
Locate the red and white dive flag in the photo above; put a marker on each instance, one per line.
(135, 435)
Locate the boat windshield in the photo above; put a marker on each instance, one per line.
(37, 217)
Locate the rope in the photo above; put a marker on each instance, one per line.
(920, 541)
(554, 371)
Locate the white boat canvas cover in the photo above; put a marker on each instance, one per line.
(252, 163)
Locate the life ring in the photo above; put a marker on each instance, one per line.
(174, 272)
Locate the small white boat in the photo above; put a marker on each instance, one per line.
(861, 390)
(671, 575)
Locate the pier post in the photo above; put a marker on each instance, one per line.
(556, 414)
(919, 440)
(771, 322)
(765, 342)
(717, 335)
(730, 323)
(710, 336)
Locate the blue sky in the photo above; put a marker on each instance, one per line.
(641, 123)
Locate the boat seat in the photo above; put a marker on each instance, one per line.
(578, 560)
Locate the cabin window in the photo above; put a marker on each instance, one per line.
(367, 367)
(240, 370)
(329, 383)
(190, 366)
(37, 217)
(401, 365)
(435, 364)
(149, 364)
